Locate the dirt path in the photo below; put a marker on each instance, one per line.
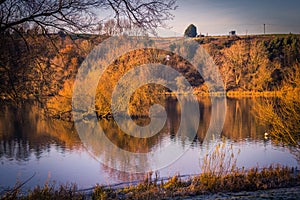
(282, 193)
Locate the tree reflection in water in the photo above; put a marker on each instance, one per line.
(25, 133)
(283, 117)
(26, 130)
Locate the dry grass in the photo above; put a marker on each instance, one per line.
(237, 180)
(47, 192)
(254, 94)
(238, 94)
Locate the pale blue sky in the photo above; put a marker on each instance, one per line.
(218, 17)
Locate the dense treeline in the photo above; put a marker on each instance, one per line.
(256, 63)
(45, 68)
(38, 67)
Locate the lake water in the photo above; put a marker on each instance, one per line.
(51, 150)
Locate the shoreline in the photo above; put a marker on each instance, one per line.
(238, 94)
(252, 182)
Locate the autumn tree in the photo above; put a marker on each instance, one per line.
(259, 69)
(245, 65)
(235, 61)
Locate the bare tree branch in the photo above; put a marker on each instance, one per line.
(25, 25)
(81, 15)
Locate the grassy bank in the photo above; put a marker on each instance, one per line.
(206, 183)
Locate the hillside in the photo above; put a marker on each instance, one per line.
(44, 69)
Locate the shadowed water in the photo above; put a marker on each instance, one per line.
(52, 150)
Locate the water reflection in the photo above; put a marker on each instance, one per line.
(240, 122)
(32, 143)
(25, 131)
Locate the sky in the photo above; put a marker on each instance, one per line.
(218, 17)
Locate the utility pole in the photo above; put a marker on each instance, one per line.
(264, 29)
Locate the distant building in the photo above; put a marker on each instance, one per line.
(232, 33)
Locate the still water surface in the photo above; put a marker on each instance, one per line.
(52, 150)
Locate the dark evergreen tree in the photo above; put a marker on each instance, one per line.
(190, 31)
